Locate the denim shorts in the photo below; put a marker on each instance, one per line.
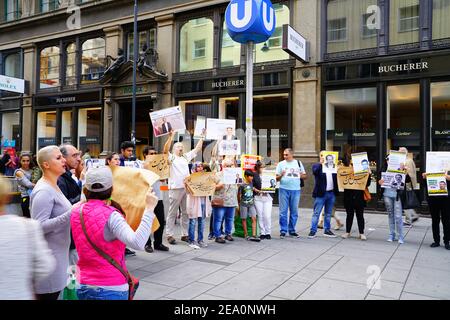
(246, 212)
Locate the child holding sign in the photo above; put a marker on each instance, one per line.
(247, 205)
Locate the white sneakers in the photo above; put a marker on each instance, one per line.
(346, 235)
(361, 236)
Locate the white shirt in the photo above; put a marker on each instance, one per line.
(179, 169)
(330, 185)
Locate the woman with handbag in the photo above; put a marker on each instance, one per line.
(24, 176)
(101, 234)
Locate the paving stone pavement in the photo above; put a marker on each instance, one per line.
(300, 268)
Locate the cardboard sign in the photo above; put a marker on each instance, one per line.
(348, 180)
(130, 187)
(437, 184)
(201, 184)
(248, 161)
(158, 164)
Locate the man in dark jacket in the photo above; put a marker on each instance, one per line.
(69, 187)
(325, 192)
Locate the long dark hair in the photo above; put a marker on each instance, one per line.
(29, 157)
(109, 157)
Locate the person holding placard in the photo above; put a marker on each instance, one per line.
(179, 170)
(263, 203)
(440, 211)
(411, 215)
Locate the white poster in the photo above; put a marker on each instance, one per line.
(396, 162)
(360, 163)
(165, 120)
(393, 180)
(438, 162)
(330, 161)
(269, 181)
(229, 147)
(233, 176)
(94, 163)
(220, 129)
(200, 126)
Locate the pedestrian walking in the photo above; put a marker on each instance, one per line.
(25, 257)
(24, 176)
(51, 208)
(263, 203)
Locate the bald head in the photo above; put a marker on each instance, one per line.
(45, 155)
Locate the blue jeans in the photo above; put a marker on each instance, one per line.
(201, 223)
(95, 293)
(289, 200)
(394, 209)
(219, 214)
(328, 201)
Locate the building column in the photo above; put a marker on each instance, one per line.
(29, 75)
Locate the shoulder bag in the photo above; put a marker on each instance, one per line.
(302, 182)
(133, 283)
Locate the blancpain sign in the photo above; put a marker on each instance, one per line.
(12, 84)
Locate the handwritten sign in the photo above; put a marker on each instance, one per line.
(248, 161)
(159, 164)
(201, 184)
(348, 180)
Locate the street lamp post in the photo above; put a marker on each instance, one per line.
(135, 56)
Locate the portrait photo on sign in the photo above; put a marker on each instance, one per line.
(269, 181)
(220, 129)
(233, 176)
(229, 147)
(330, 161)
(437, 184)
(200, 127)
(360, 163)
(166, 120)
(393, 180)
(94, 163)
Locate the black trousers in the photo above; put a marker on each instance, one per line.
(25, 204)
(440, 211)
(48, 296)
(359, 217)
(159, 213)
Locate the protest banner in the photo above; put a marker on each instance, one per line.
(438, 162)
(158, 164)
(331, 161)
(229, 147)
(220, 129)
(269, 181)
(393, 180)
(168, 119)
(233, 176)
(360, 163)
(348, 180)
(200, 126)
(130, 187)
(437, 184)
(248, 161)
(201, 184)
(396, 161)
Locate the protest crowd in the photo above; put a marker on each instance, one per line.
(91, 213)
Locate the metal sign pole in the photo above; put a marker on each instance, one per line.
(135, 57)
(249, 99)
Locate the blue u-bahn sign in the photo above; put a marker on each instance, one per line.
(250, 20)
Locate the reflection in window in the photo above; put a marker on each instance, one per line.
(231, 51)
(12, 65)
(93, 60)
(441, 22)
(66, 127)
(404, 21)
(71, 78)
(348, 25)
(440, 115)
(147, 37)
(89, 130)
(196, 45)
(10, 129)
(46, 129)
(49, 5)
(49, 71)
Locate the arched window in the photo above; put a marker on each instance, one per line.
(196, 44)
(49, 63)
(71, 78)
(12, 65)
(231, 50)
(93, 60)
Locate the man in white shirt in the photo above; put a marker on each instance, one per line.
(179, 170)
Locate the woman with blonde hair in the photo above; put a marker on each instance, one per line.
(51, 208)
(24, 254)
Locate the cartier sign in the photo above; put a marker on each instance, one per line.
(403, 67)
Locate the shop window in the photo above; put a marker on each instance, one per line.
(93, 60)
(90, 130)
(13, 10)
(13, 65)
(231, 51)
(404, 21)
(71, 78)
(271, 49)
(347, 25)
(440, 116)
(441, 22)
(49, 5)
(351, 121)
(66, 127)
(49, 67)
(196, 45)
(147, 37)
(11, 130)
(46, 129)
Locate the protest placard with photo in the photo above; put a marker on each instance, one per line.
(248, 161)
(438, 162)
(165, 120)
(330, 161)
(159, 164)
(94, 163)
(360, 163)
(348, 180)
(269, 181)
(233, 176)
(200, 127)
(437, 184)
(220, 129)
(393, 180)
(137, 164)
(229, 147)
(396, 161)
(201, 184)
